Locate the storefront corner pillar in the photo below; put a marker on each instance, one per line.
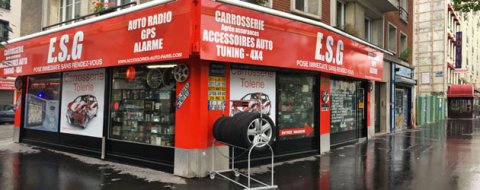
(324, 143)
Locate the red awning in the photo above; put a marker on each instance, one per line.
(460, 91)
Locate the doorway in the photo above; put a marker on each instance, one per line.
(348, 105)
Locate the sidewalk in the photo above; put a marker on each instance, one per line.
(438, 156)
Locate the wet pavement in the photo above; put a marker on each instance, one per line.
(440, 156)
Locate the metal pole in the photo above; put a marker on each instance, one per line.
(103, 148)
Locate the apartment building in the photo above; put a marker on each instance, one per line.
(327, 72)
(434, 56)
(470, 70)
(10, 28)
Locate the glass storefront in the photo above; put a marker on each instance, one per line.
(295, 106)
(42, 102)
(460, 105)
(143, 105)
(401, 108)
(343, 106)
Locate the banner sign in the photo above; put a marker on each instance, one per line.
(403, 71)
(253, 91)
(83, 100)
(154, 34)
(458, 51)
(234, 34)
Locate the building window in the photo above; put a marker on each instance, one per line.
(340, 14)
(4, 30)
(392, 38)
(118, 2)
(69, 9)
(265, 3)
(403, 42)
(403, 10)
(5, 4)
(308, 7)
(368, 29)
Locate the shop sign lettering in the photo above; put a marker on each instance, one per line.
(150, 40)
(158, 33)
(238, 37)
(234, 34)
(73, 52)
(329, 56)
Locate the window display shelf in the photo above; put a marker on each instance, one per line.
(143, 114)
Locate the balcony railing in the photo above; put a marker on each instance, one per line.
(403, 14)
(111, 9)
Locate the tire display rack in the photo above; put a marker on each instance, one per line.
(236, 172)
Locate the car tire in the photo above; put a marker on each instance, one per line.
(247, 136)
(229, 127)
(218, 126)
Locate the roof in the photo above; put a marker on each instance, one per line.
(460, 91)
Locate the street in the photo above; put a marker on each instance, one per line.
(440, 156)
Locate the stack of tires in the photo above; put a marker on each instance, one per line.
(245, 129)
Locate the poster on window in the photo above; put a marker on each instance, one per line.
(82, 103)
(254, 90)
(41, 113)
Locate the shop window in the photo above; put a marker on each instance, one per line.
(399, 101)
(143, 105)
(295, 106)
(308, 7)
(460, 106)
(343, 106)
(392, 38)
(69, 9)
(42, 102)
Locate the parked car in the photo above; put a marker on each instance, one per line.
(7, 113)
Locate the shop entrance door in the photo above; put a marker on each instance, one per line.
(361, 106)
(297, 118)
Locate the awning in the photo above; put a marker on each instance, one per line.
(460, 91)
(405, 81)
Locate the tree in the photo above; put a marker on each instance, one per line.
(466, 5)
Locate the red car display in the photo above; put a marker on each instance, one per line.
(253, 102)
(81, 110)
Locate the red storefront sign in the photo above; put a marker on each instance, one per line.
(234, 34)
(7, 85)
(158, 33)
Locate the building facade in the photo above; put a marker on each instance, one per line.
(434, 56)
(470, 69)
(10, 28)
(147, 81)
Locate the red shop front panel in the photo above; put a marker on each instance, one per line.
(157, 33)
(234, 34)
